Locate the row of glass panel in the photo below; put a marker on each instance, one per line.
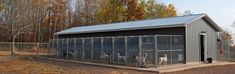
(122, 50)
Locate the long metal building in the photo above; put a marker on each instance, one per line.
(174, 40)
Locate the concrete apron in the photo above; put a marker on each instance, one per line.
(159, 69)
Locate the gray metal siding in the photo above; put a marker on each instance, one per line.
(193, 31)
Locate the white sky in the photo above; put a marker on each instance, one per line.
(221, 11)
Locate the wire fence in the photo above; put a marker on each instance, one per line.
(225, 52)
(126, 50)
(25, 47)
(116, 50)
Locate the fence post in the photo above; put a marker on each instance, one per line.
(102, 48)
(83, 52)
(140, 48)
(37, 56)
(75, 49)
(67, 48)
(92, 49)
(126, 54)
(156, 50)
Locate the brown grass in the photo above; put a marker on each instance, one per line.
(25, 63)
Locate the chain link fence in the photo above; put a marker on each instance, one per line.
(25, 48)
(225, 52)
(125, 50)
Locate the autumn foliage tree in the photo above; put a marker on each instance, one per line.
(110, 11)
(130, 10)
(42, 18)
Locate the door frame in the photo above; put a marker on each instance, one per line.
(205, 46)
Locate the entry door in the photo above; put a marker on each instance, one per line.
(203, 50)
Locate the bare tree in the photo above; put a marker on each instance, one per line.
(188, 12)
(16, 14)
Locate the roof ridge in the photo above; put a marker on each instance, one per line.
(142, 20)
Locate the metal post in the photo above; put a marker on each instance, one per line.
(61, 49)
(92, 49)
(83, 52)
(57, 50)
(102, 48)
(67, 42)
(75, 49)
(57, 47)
(140, 47)
(171, 48)
(156, 50)
(113, 53)
(126, 54)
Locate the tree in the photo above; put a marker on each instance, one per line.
(133, 10)
(1, 5)
(42, 18)
(85, 12)
(16, 20)
(155, 10)
(56, 18)
(129, 10)
(188, 12)
(111, 11)
(226, 36)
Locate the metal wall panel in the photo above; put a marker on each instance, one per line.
(193, 31)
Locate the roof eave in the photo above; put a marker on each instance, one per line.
(124, 29)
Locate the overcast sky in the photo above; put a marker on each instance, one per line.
(221, 11)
